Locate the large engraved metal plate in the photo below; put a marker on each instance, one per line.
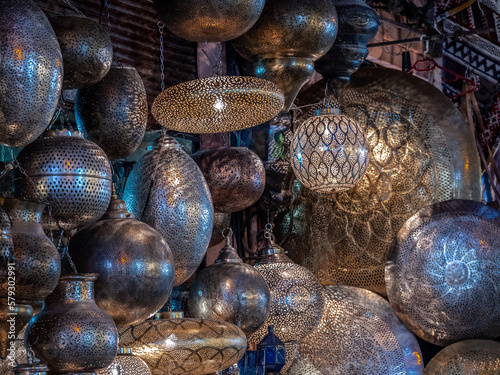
(421, 153)
(358, 334)
(469, 357)
(443, 272)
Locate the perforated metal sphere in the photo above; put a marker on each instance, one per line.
(296, 296)
(209, 20)
(443, 272)
(71, 173)
(86, 49)
(31, 72)
(167, 190)
(359, 333)
(469, 357)
(235, 175)
(126, 363)
(114, 112)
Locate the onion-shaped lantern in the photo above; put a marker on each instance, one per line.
(69, 172)
(286, 40)
(114, 112)
(31, 72)
(209, 20)
(358, 23)
(235, 175)
(330, 152)
(217, 104)
(126, 363)
(134, 263)
(296, 295)
(167, 190)
(443, 271)
(184, 346)
(232, 291)
(86, 50)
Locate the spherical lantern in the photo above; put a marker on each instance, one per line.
(86, 50)
(31, 72)
(209, 20)
(443, 272)
(217, 104)
(330, 152)
(69, 172)
(114, 112)
(126, 363)
(134, 263)
(185, 346)
(232, 291)
(285, 41)
(296, 296)
(359, 333)
(471, 357)
(235, 175)
(167, 190)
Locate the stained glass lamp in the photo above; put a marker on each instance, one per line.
(271, 354)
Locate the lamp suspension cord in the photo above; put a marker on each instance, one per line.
(162, 65)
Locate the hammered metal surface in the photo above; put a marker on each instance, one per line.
(418, 157)
(217, 104)
(71, 173)
(126, 365)
(134, 263)
(114, 112)
(167, 190)
(235, 176)
(469, 357)
(86, 49)
(330, 153)
(443, 271)
(185, 346)
(71, 334)
(209, 20)
(31, 72)
(358, 334)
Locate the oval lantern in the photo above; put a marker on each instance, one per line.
(235, 175)
(31, 72)
(141, 276)
(286, 40)
(69, 172)
(86, 50)
(114, 112)
(167, 190)
(209, 20)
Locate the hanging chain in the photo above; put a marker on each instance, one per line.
(74, 8)
(162, 65)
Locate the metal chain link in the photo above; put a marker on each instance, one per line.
(162, 66)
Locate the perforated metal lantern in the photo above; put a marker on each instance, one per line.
(167, 190)
(235, 175)
(86, 49)
(31, 73)
(296, 296)
(359, 333)
(217, 104)
(471, 357)
(126, 363)
(114, 112)
(330, 152)
(30, 369)
(71, 173)
(443, 271)
(134, 263)
(209, 20)
(6, 243)
(285, 41)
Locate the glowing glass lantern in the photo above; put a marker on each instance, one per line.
(270, 353)
(330, 152)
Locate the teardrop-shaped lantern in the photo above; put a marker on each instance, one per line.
(296, 295)
(232, 291)
(134, 263)
(286, 40)
(69, 172)
(86, 50)
(209, 20)
(114, 112)
(31, 72)
(167, 190)
(235, 175)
